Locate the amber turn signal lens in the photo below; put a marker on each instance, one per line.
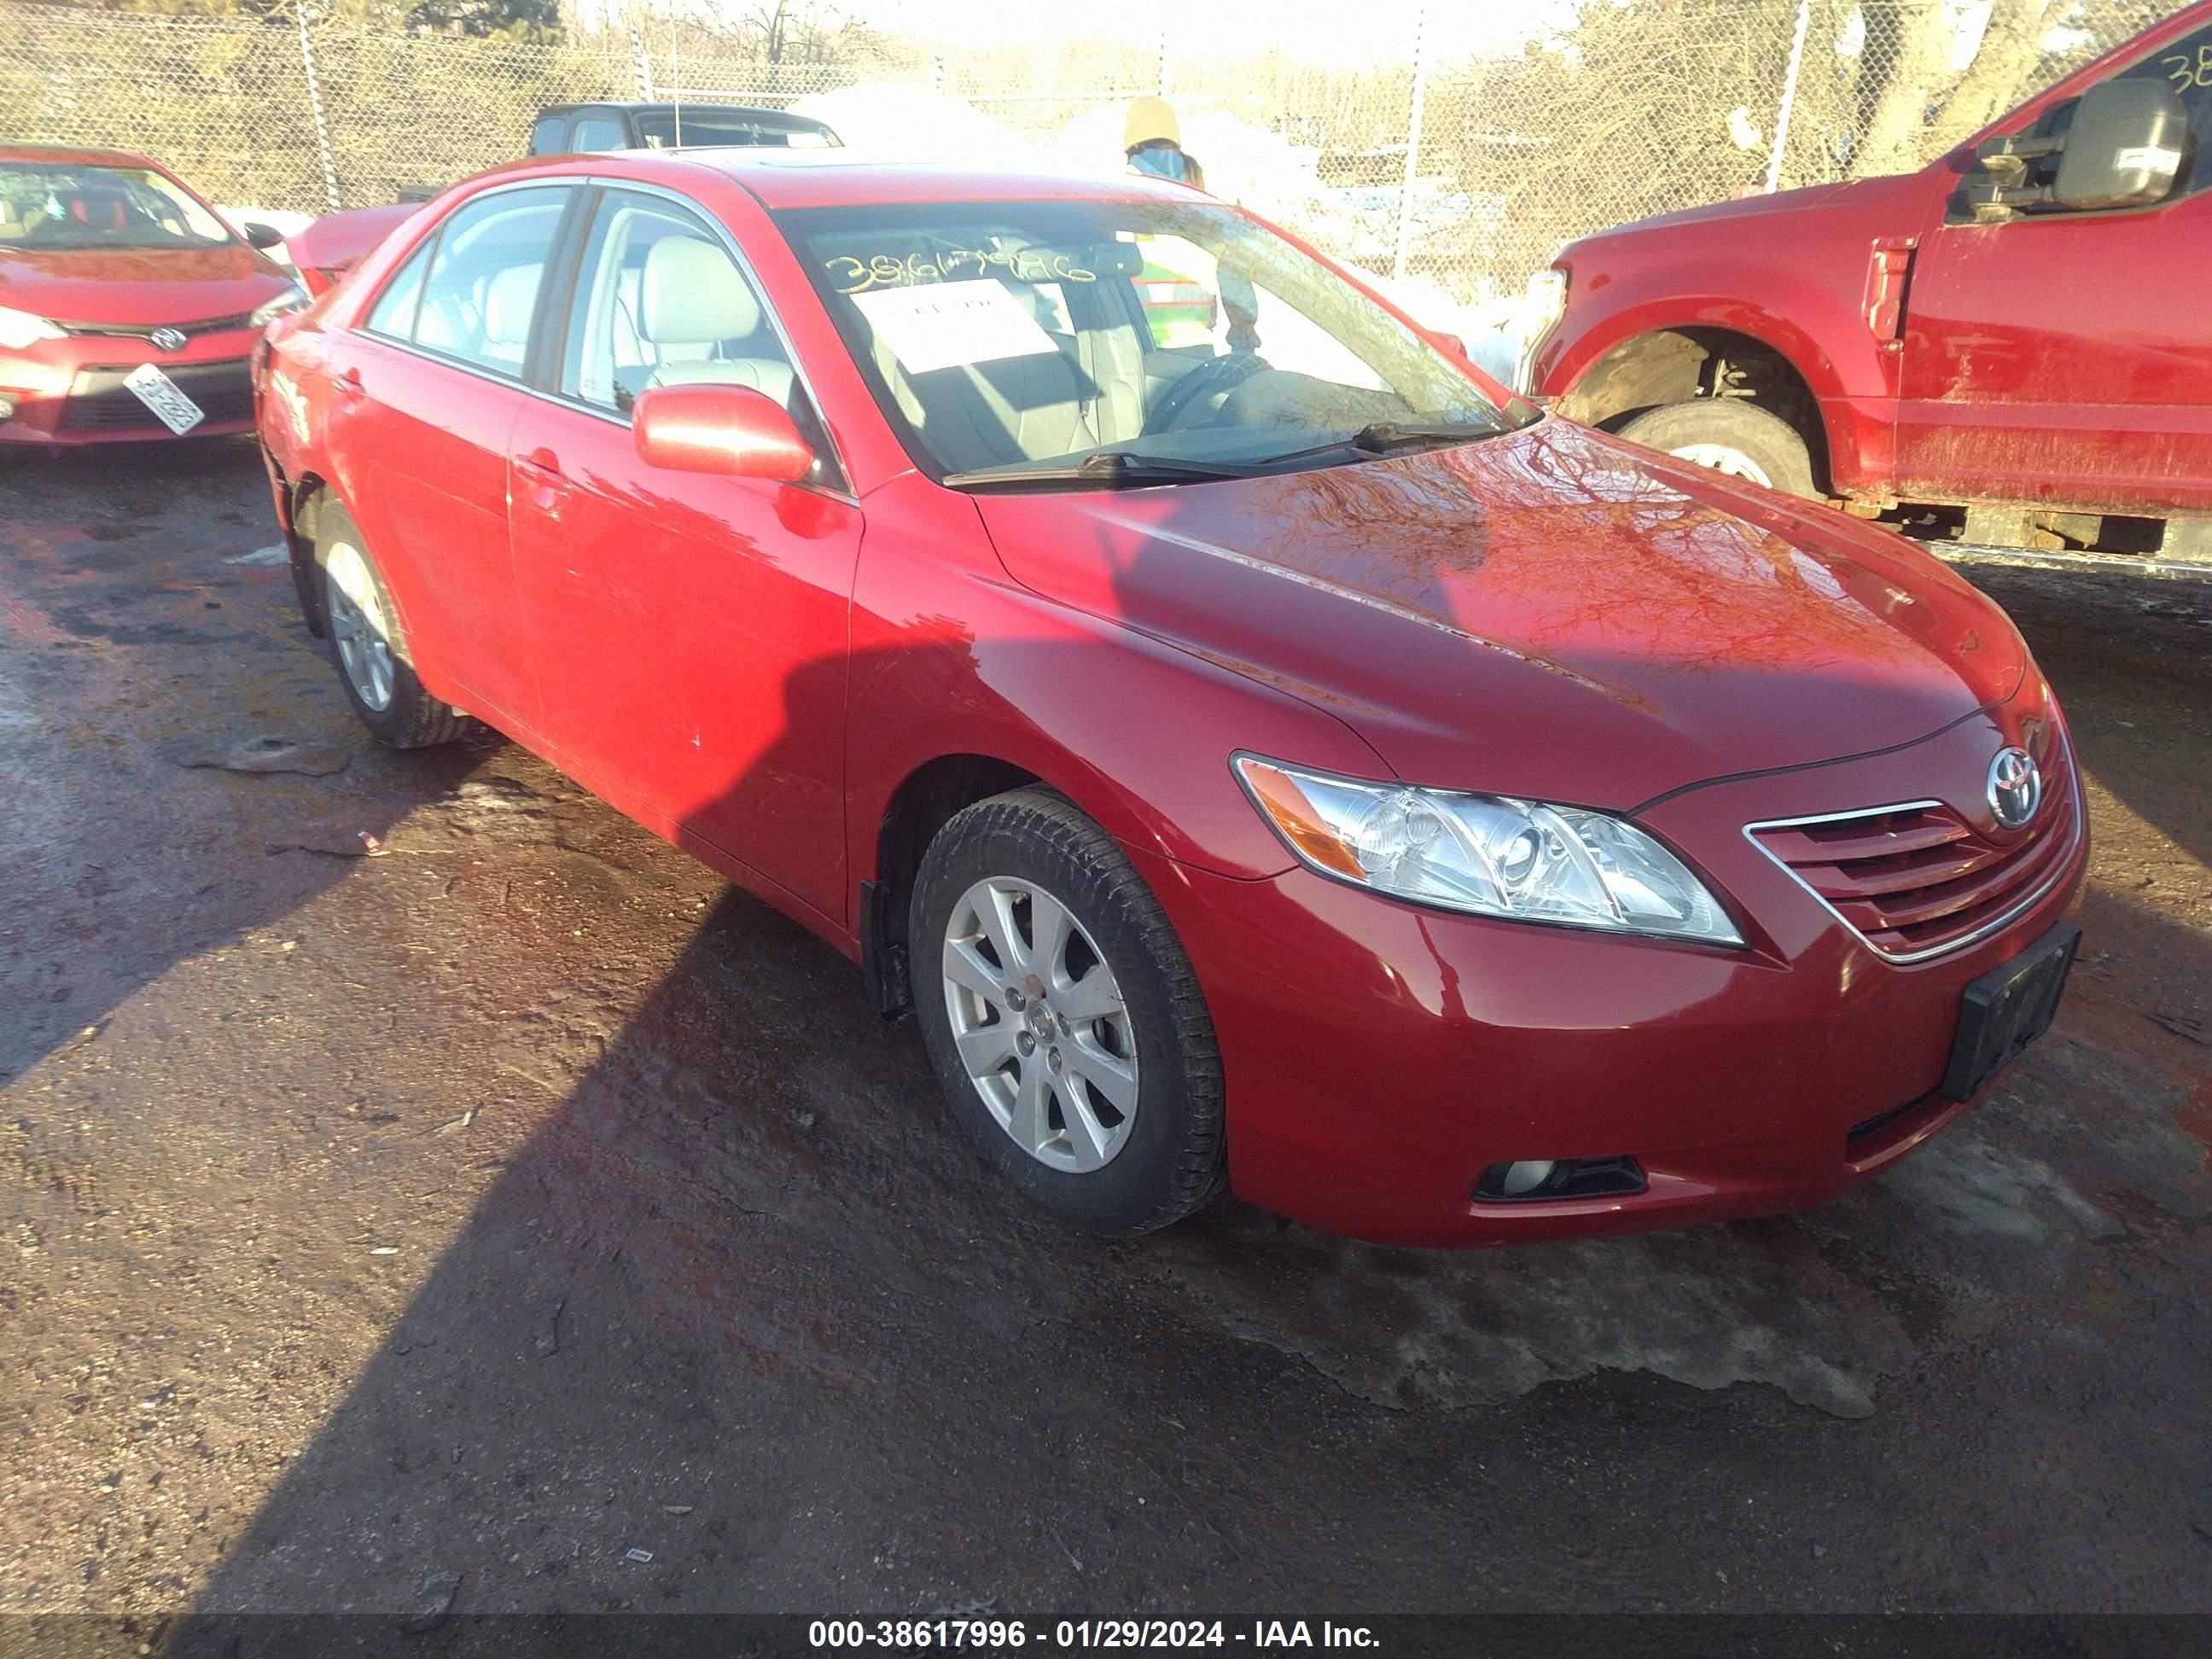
(1292, 813)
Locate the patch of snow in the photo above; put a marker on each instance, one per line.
(899, 121)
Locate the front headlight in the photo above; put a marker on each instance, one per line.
(1546, 300)
(19, 329)
(1545, 303)
(291, 299)
(1487, 854)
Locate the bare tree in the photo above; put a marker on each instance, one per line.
(1924, 106)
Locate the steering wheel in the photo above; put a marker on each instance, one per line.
(1216, 376)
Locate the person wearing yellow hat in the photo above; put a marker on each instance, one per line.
(1152, 140)
(1183, 310)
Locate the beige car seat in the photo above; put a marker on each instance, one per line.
(694, 305)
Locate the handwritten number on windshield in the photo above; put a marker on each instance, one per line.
(850, 276)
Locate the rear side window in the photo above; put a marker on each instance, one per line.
(472, 292)
(395, 308)
(598, 132)
(550, 137)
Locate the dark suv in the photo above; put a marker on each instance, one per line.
(579, 129)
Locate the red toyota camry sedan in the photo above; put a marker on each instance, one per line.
(127, 308)
(1274, 756)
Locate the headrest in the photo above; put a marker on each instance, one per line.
(694, 295)
(508, 298)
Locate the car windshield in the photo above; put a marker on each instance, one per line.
(70, 204)
(1057, 344)
(657, 129)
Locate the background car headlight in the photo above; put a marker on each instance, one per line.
(1545, 301)
(1487, 854)
(1544, 304)
(290, 300)
(19, 329)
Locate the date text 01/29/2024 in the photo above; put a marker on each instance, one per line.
(1005, 1635)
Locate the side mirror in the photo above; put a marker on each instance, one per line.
(2125, 148)
(259, 235)
(729, 430)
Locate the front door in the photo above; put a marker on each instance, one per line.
(2067, 358)
(690, 629)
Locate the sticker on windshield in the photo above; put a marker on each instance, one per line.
(941, 324)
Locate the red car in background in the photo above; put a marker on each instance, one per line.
(2012, 343)
(128, 308)
(1282, 758)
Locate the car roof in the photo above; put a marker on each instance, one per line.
(839, 177)
(750, 111)
(76, 154)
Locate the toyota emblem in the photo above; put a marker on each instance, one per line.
(169, 339)
(2015, 788)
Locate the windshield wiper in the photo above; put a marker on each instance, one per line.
(1387, 438)
(1113, 468)
(1384, 436)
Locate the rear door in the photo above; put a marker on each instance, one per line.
(2067, 358)
(690, 629)
(428, 399)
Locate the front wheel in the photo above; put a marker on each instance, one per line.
(1730, 436)
(1062, 1018)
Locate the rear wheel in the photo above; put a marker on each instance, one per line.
(1062, 1018)
(368, 645)
(1729, 436)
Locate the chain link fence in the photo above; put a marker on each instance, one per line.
(1452, 169)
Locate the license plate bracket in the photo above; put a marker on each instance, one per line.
(2006, 1009)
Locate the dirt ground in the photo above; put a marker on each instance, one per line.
(525, 1197)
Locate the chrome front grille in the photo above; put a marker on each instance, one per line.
(1917, 879)
(146, 331)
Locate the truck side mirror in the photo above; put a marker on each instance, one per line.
(2125, 148)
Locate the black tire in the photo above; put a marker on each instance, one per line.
(1759, 436)
(413, 719)
(1173, 1161)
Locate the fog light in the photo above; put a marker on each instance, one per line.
(1532, 1180)
(1525, 1176)
(7, 407)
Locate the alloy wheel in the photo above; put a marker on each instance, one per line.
(357, 623)
(1040, 1022)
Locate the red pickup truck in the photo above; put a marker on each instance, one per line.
(2011, 347)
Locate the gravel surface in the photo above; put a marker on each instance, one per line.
(464, 1221)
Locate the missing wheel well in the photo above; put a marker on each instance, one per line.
(307, 499)
(922, 805)
(1673, 366)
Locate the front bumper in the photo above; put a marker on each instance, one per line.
(68, 392)
(1379, 1057)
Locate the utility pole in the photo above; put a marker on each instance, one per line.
(1412, 141)
(1789, 97)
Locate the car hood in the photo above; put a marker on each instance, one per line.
(1547, 613)
(335, 243)
(1847, 192)
(138, 286)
